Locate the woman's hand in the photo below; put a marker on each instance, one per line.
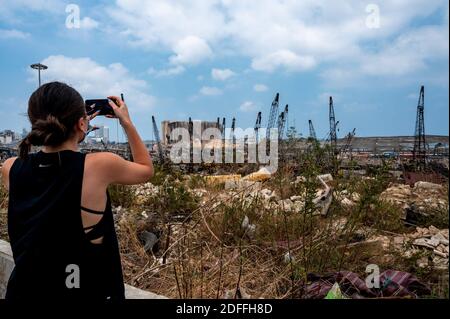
(93, 116)
(120, 110)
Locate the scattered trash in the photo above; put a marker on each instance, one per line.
(245, 222)
(392, 283)
(239, 294)
(288, 258)
(149, 239)
(335, 293)
(144, 214)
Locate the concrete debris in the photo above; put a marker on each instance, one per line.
(437, 241)
(262, 175)
(324, 197)
(346, 198)
(247, 227)
(326, 178)
(426, 186)
(423, 239)
(347, 202)
(144, 191)
(199, 192)
(218, 179)
(267, 194)
(240, 184)
(323, 202)
(417, 202)
(117, 209)
(299, 179)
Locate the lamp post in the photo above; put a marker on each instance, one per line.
(39, 67)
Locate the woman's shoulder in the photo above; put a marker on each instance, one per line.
(104, 159)
(101, 156)
(5, 169)
(6, 166)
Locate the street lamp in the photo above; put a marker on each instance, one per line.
(39, 67)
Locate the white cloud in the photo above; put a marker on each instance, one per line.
(283, 59)
(260, 88)
(210, 91)
(13, 34)
(278, 35)
(191, 50)
(222, 74)
(10, 10)
(409, 53)
(94, 80)
(247, 106)
(176, 70)
(89, 23)
(413, 96)
(289, 35)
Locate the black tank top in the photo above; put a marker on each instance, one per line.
(47, 238)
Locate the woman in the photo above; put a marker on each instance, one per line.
(60, 222)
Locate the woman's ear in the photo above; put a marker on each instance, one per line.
(82, 125)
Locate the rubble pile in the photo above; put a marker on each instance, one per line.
(434, 240)
(418, 200)
(143, 191)
(424, 240)
(346, 198)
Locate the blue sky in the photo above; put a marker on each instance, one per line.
(228, 58)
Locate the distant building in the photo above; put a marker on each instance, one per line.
(168, 126)
(102, 134)
(7, 137)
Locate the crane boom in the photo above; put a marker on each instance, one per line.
(312, 132)
(273, 115)
(420, 147)
(282, 122)
(233, 126)
(257, 126)
(333, 137)
(158, 140)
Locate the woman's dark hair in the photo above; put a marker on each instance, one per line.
(53, 110)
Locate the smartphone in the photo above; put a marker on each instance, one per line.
(101, 105)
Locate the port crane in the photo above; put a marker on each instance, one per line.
(158, 140)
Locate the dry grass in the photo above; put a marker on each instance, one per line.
(204, 252)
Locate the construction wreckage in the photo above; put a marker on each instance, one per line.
(308, 230)
(413, 154)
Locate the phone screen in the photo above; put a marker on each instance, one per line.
(101, 105)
